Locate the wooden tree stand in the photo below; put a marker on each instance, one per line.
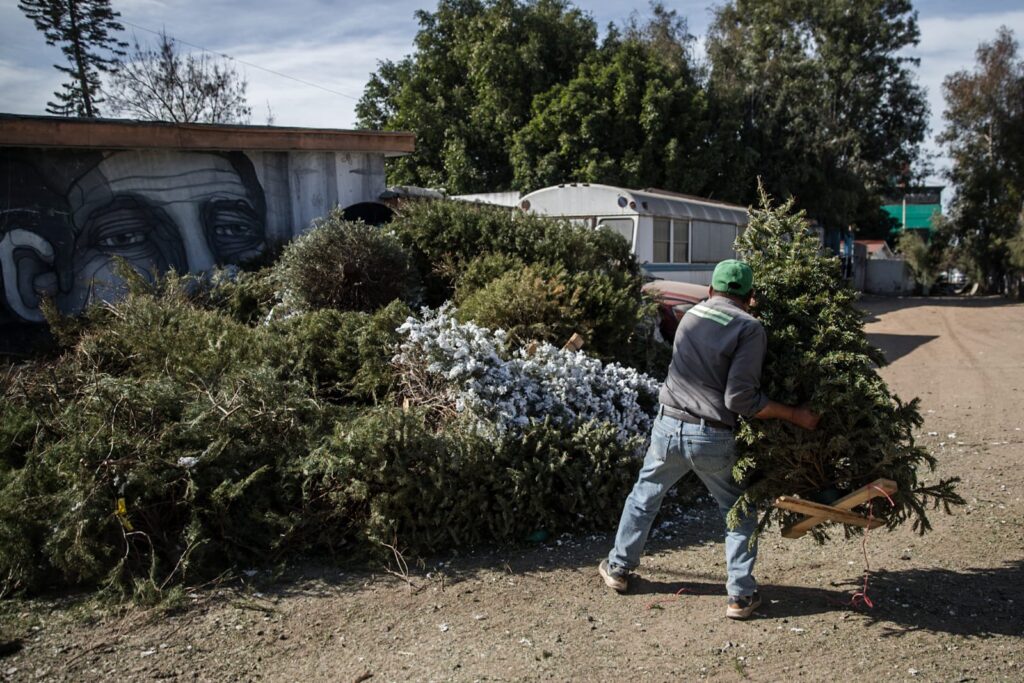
(840, 511)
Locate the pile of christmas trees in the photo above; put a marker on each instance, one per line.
(818, 354)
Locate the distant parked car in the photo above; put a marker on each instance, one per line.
(674, 300)
(952, 281)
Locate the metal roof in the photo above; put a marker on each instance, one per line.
(585, 199)
(58, 131)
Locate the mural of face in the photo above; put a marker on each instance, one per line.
(158, 210)
(35, 239)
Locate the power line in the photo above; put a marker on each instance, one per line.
(241, 61)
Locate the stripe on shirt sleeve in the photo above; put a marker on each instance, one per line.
(708, 313)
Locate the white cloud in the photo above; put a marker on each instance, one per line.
(26, 90)
(342, 54)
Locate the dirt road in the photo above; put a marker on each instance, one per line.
(948, 606)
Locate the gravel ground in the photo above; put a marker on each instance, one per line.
(947, 606)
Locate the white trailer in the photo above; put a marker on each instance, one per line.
(674, 236)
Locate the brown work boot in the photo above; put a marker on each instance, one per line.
(743, 607)
(614, 576)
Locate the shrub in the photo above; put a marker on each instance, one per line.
(246, 297)
(536, 277)
(922, 258)
(172, 409)
(483, 269)
(444, 237)
(238, 418)
(529, 303)
(389, 477)
(170, 442)
(348, 266)
(346, 355)
(322, 347)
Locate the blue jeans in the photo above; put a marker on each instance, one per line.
(676, 448)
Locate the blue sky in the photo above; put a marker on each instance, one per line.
(338, 44)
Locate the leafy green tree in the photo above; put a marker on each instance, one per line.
(161, 84)
(84, 30)
(469, 85)
(984, 136)
(822, 102)
(633, 115)
(922, 258)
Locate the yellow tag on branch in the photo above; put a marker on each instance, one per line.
(122, 514)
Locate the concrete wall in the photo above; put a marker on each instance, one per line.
(65, 215)
(888, 277)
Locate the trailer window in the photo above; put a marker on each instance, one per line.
(662, 240)
(620, 226)
(680, 241)
(671, 241)
(711, 242)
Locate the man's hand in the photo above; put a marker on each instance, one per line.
(806, 418)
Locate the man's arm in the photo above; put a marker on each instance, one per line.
(801, 416)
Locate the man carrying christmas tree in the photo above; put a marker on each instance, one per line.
(715, 376)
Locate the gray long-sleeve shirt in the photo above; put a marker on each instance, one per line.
(717, 356)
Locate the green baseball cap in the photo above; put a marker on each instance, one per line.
(732, 277)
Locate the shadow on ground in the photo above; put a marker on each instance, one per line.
(895, 346)
(875, 306)
(973, 602)
(976, 602)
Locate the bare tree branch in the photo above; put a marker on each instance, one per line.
(161, 84)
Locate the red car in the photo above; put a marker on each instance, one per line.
(674, 299)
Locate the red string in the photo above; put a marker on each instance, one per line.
(658, 603)
(861, 596)
(884, 493)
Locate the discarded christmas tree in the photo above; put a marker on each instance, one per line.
(818, 354)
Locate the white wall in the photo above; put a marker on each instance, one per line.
(889, 277)
(303, 186)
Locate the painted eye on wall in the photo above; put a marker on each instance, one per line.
(131, 228)
(122, 240)
(120, 228)
(234, 230)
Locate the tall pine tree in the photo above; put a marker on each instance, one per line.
(84, 30)
(818, 354)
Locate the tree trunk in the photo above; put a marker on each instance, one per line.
(76, 42)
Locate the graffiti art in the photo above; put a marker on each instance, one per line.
(66, 217)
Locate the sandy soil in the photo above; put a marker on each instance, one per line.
(948, 606)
